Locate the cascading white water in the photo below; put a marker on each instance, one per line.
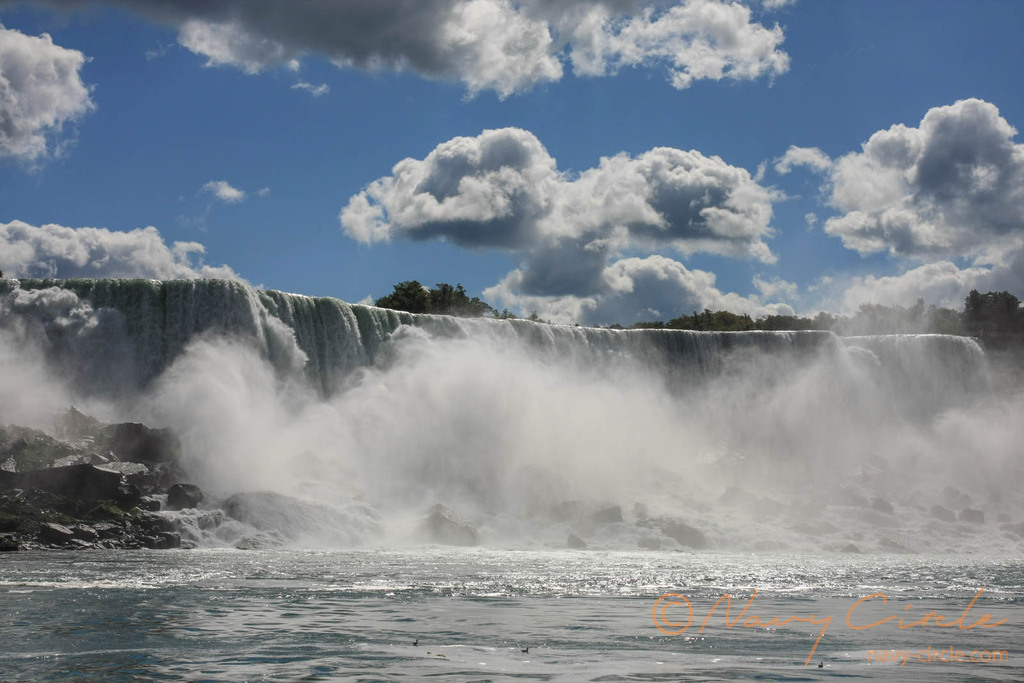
(526, 430)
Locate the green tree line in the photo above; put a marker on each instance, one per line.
(992, 314)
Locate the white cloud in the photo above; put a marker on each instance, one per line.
(776, 287)
(802, 156)
(314, 90)
(697, 40)
(811, 219)
(949, 190)
(633, 289)
(263, 192)
(58, 251)
(953, 186)
(41, 90)
(503, 190)
(942, 283)
(501, 45)
(223, 191)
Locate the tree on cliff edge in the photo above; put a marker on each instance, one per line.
(992, 312)
(445, 299)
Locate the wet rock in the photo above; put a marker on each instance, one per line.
(607, 515)
(154, 524)
(575, 542)
(850, 548)
(684, 534)
(166, 540)
(973, 516)
(107, 530)
(23, 449)
(882, 505)
(8, 544)
(181, 496)
(136, 442)
(85, 533)
(446, 527)
(82, 482)
(149, 504)
(127, 496)
(945, 514)
(55, 534)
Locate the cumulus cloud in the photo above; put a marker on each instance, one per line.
(696, 40)
(498, 45)
(223, 191)
(503, 190)
(952, 186)
(41, 90)
(811, 157)
(58, 251)
(634, 289)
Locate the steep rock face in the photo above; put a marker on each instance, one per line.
(46, 503)
(446, 527)
(81, 482)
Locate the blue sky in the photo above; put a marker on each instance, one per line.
(139, 111)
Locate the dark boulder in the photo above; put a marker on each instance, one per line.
(127, 496)
(149, 504)
(181, 496)
(23, 449)
(85, 533)
(81, 482)
(153, 524)
(165, 540)
(8, 544)
(444, 526)
(972, 516)
(135, 442)
(55, 534)
(108, 530)
(882, 505)
(684, 534)
(607, 515)
(575, 542)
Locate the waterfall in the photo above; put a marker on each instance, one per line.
(147, 324)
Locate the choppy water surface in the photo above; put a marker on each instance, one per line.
(354, 615)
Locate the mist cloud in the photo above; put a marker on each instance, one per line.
(498, 45)
(41, 90)
(57, 251)
(503, 190)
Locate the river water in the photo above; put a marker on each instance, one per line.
(355, 615)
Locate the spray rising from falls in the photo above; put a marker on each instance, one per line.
(318, 422)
